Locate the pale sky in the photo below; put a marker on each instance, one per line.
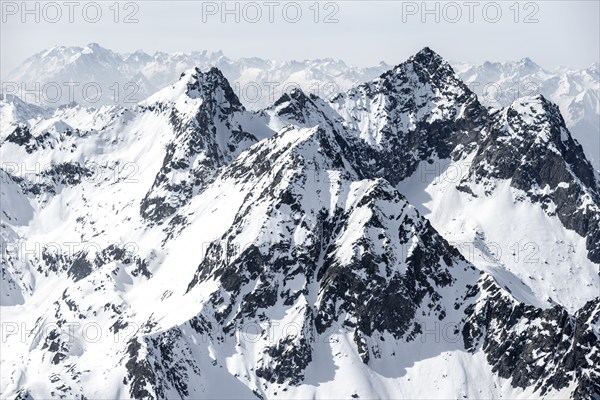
(557, 33)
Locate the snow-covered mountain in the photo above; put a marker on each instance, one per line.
(128, 78)
(576, 92)
(377, 244)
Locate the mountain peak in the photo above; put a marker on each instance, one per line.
(426, 57)
(532, 105)
(527, 60)
(527, 64)
(427, 63)
(197, 85)
(427, 75)
(295, 94)
(216, 72)
(299, 108)
(426, 51)
(94, 48)
(196, 74)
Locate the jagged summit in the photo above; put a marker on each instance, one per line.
(199, 86)
(95, 46)
(208, 121)
(537, 105)
(417, 110)
(424, 78)
(426, 63)
(295, 95)
(427, 56)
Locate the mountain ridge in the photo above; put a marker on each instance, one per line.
(258, 83)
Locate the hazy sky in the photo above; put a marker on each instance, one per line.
(552, 33)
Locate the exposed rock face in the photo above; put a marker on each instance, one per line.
(417, 111)
(529, 144)
(546, 349)
(203, 111)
